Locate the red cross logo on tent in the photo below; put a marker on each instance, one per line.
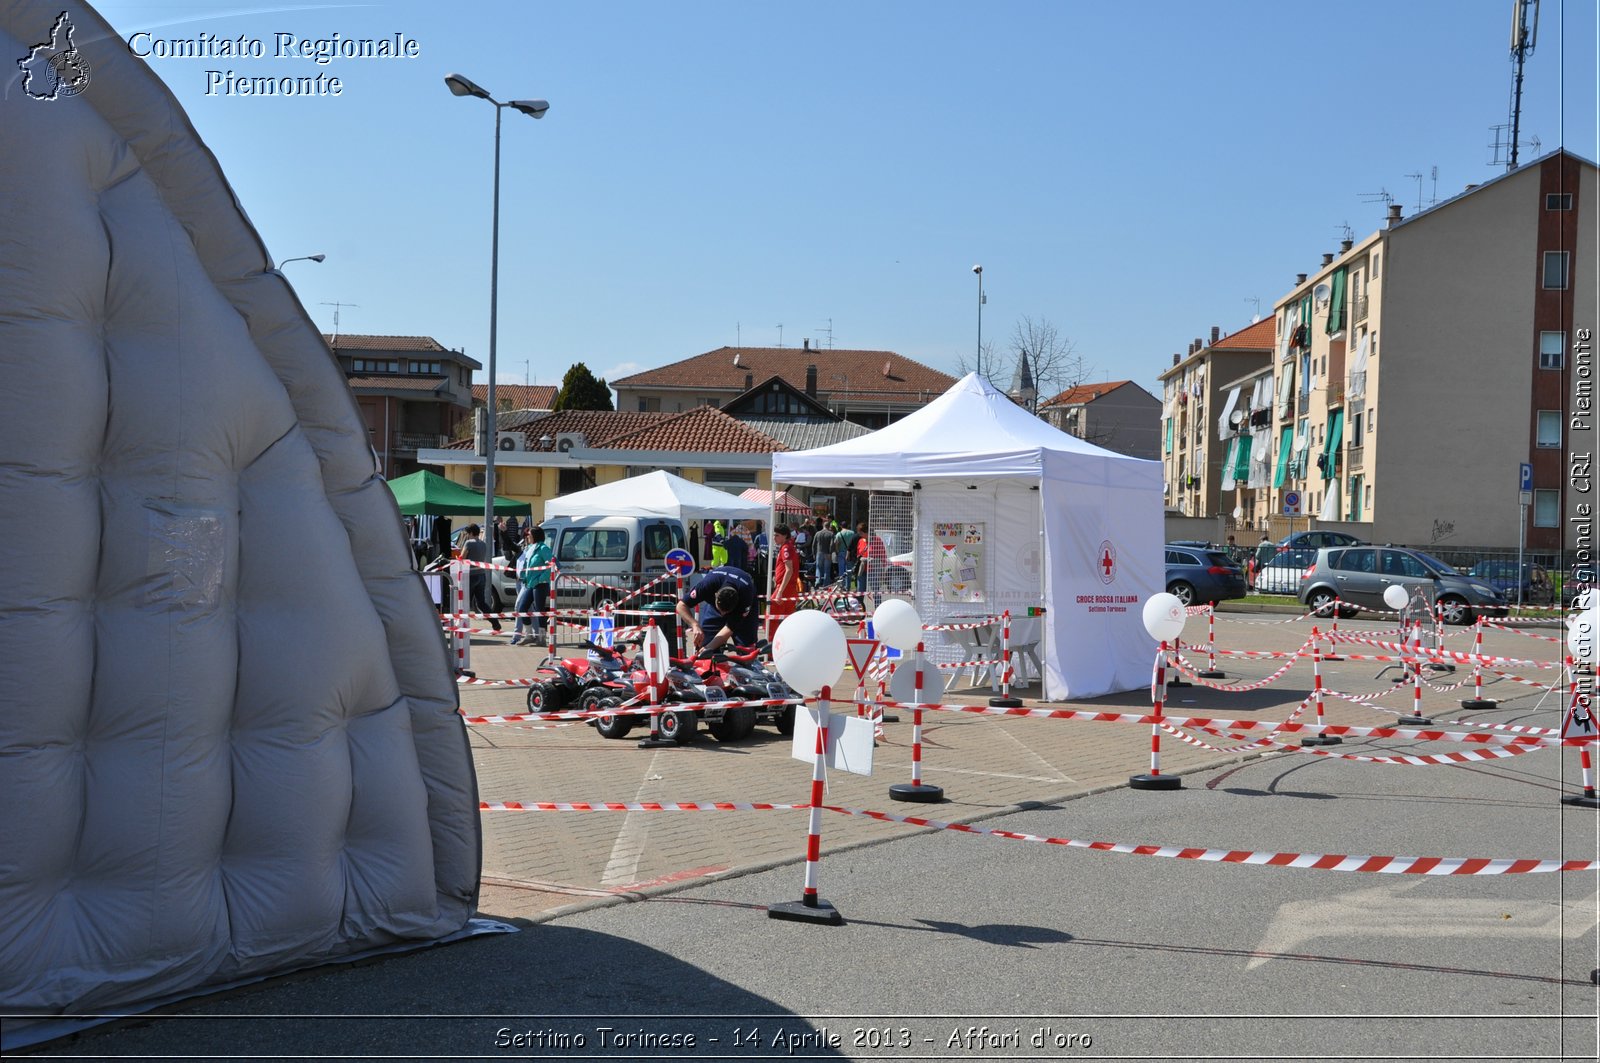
(1107, 562)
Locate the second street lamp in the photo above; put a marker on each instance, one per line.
(462, 86)
(299, 258)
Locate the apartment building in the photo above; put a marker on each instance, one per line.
(1198, 452)
(1460, 326)
(414, 394)
(1118, 415)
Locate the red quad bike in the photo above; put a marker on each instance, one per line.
(739, 673)
(563, 681)
(615, 679)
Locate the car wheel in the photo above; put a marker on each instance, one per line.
(677, 726)
(1184, 592)
(734, 725)
(785, 721)
(609, 726)
(1321, 602)
(1453, 610)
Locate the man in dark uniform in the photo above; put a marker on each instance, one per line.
(726, 601)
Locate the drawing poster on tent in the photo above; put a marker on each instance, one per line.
(958, 566)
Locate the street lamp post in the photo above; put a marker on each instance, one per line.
(979, 271)
(461, 86)
(300, 258)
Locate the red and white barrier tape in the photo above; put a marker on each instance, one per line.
(1412, 653)
(1410, 760)
(635, 806)
(1388, 865)
(625, 709)
(1189, 670)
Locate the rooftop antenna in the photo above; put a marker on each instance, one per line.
(1435, 198)
(336, 307)
(829, 331)
(1380, 196)
(780, 334)
(738, 334)
(1255, 299)
(1524, 35)
(1498, 145)
(1418, 178)
(1347, 233)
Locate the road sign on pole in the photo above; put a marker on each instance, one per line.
(679, 561)
(1291, 503)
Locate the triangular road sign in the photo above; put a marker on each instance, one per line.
(861, 651)
(1580, 721)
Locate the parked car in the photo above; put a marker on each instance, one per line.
(618, 553)
(1279, 564)
(1358, 576)
(1202, 574)
(1535, 586)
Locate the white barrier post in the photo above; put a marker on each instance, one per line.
(1177, 679)
(1158, 688)
(1316, 683)
(1416, 718)
(1211, 671)
(1477, 701)
(916, 790)
(461, 639)
(812, 908)
(1587, 799)
(1333, 634)
(1005, 700)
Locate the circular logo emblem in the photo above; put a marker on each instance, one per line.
(1106, 561)
(72, 72)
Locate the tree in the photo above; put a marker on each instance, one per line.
(581, 391)
(1053, 359)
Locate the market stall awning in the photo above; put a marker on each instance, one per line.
(425, 492)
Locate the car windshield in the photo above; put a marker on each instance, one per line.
(1435, 564)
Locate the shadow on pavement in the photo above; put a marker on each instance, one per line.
(534, 993)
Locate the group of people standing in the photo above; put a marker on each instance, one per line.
(847, 555)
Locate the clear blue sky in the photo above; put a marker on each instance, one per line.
(1132, 172)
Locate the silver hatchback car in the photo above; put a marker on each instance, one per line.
(1357, 577)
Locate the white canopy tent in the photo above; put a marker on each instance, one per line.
(1058, 522)
(656, 494)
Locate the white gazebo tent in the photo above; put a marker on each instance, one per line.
(1061, 522)
(656, 494)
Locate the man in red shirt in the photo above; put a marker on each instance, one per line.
(785, 578)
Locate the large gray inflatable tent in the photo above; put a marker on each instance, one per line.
(229, 743)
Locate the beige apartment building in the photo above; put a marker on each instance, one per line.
(1200, 396)
(1461, 326)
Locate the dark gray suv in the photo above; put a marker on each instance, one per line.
(1357, 576)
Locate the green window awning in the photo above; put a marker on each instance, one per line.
(1336, 303)
(1241, 463)
(1330, 467)
(1285, 439)
(1169, 436)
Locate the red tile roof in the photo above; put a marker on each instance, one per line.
(1256, 337)
(839, 372)
(517, 396)
(346, 341)
(702, 429)
(399, 383)
(597, 426)
(1083, 393)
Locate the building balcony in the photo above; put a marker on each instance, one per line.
(1353, 456)
(1360, 309)
(1335, 393)
(411, 442)
(1303, 406)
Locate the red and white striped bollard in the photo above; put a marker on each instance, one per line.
(1005, 700)
(811, 907)
(1478, 701)
(916, 790)
(1158, 689)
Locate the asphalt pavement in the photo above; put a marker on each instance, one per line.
(645, 935)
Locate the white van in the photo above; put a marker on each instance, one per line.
(620, 553)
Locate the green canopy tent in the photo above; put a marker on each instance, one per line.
(425, 492)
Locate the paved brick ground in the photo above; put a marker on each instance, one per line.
(538, 865)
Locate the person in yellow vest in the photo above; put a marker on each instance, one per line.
(719, 544)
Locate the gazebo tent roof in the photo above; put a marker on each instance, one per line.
(783, 503)
(425, 492)
(971, 431)
(656, 494)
